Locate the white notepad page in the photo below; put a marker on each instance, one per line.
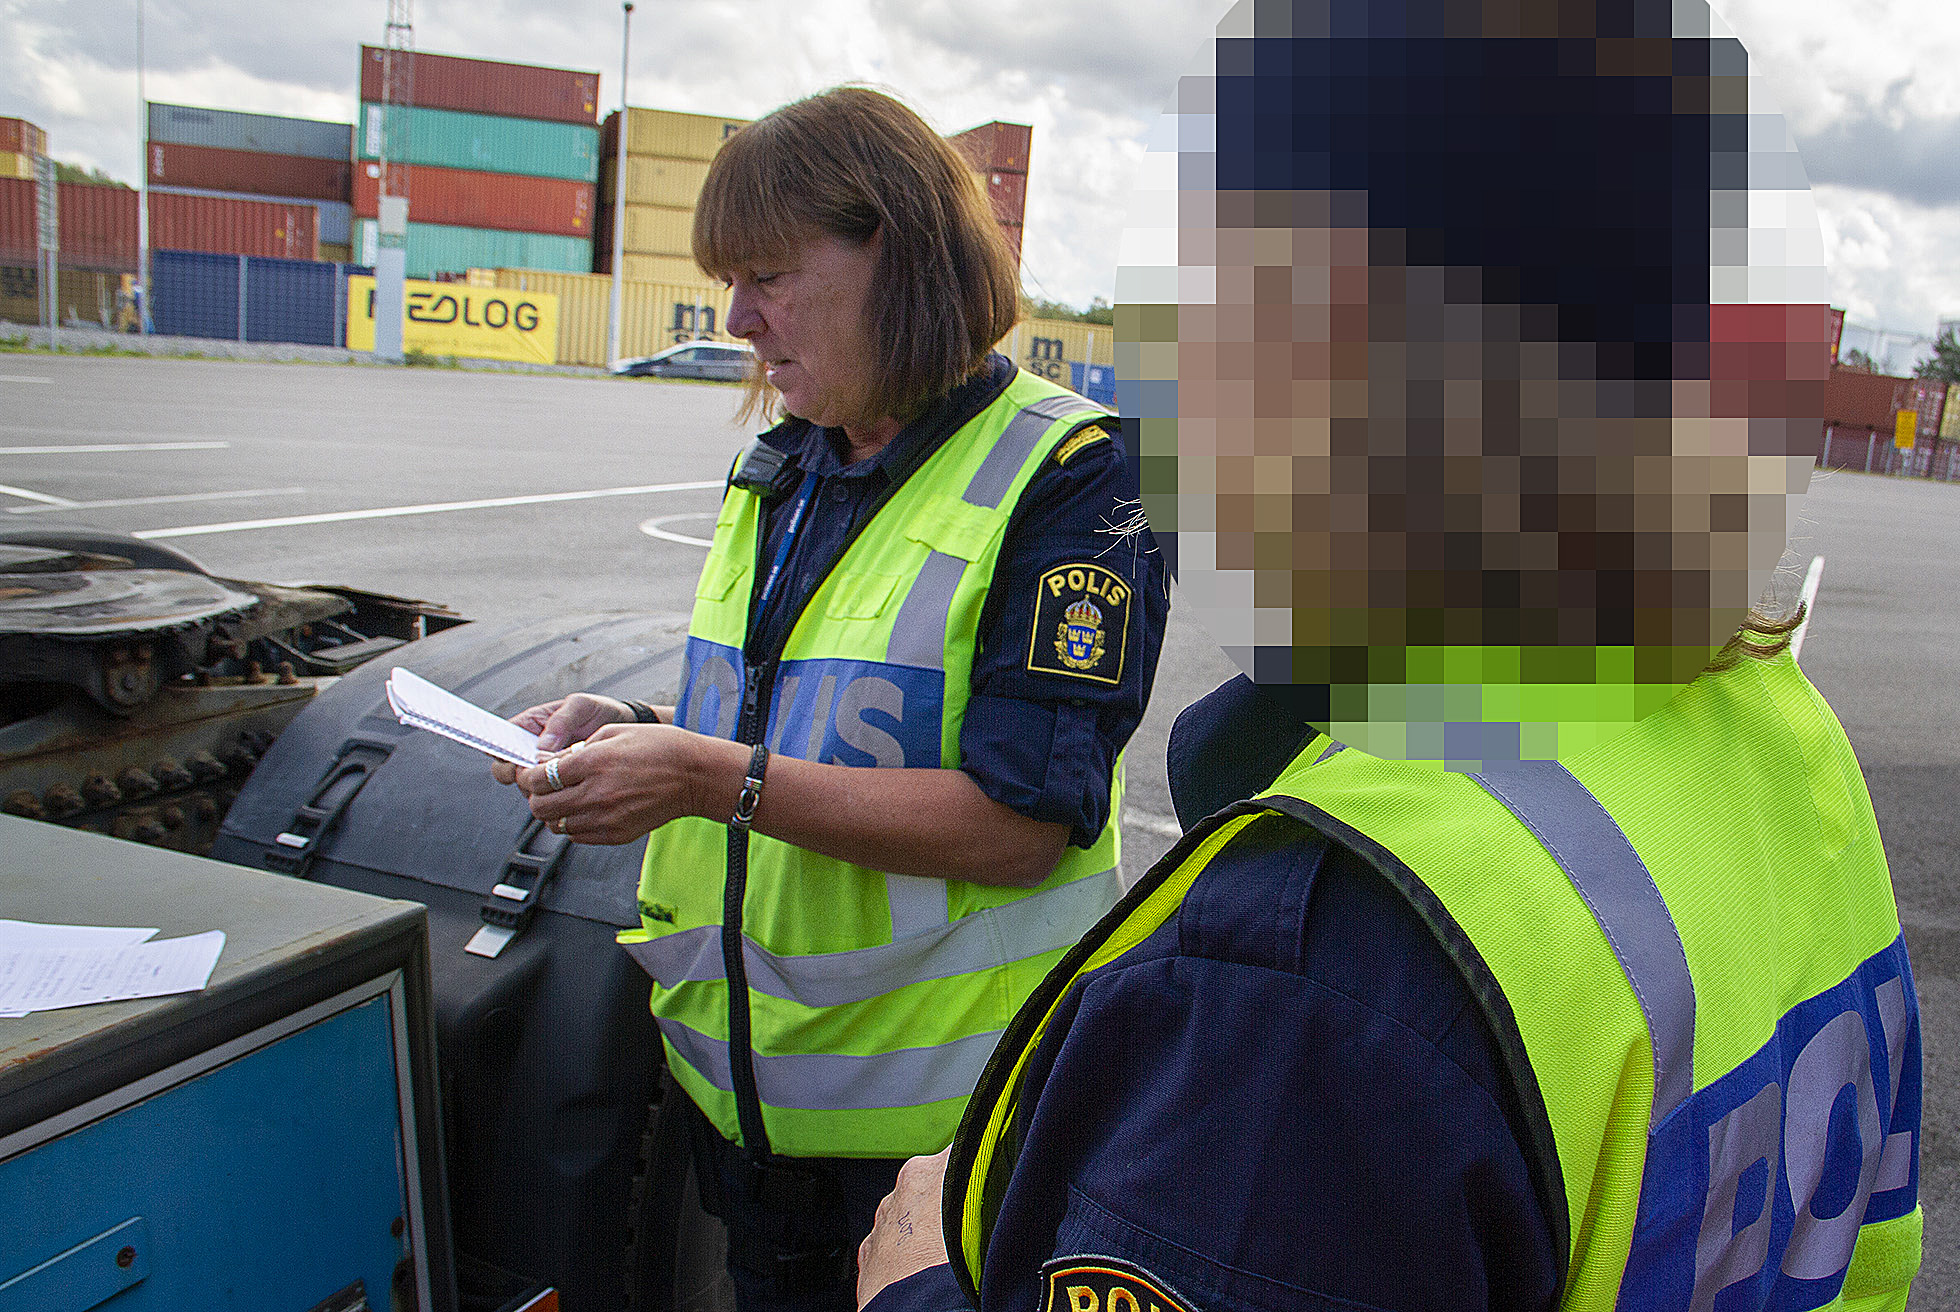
(418, 702)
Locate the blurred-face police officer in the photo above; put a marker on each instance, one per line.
(886, 800)
(1575, 979)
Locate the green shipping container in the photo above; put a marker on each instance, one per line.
(483, 143)
(437, 248)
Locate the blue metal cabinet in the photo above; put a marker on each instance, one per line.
(269, 1143)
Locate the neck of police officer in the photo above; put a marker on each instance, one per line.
(865, 440)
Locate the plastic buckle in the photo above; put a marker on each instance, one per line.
(315, 821)
(515, 897)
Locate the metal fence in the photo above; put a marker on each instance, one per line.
(1872, 450)
(249, 298)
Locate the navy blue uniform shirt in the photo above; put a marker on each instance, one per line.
(1284, 1099)
(1040, 742)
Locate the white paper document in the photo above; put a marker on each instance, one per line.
(80, 967)
(418, 702)
(29, 936)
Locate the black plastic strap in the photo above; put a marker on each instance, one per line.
(298, 845)
(520, 888)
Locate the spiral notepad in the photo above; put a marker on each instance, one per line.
(415, 701)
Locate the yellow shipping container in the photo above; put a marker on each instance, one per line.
(82, 296)
(676, 135)
(653, 316)
(641, 267)
(652, 180)
(657, 230)
(338, 254)
(1049, 346)
(13, 164)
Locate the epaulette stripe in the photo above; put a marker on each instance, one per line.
(1087, 437)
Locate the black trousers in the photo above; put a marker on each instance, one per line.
(794, 1223)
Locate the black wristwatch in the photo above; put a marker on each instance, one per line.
(643, 712)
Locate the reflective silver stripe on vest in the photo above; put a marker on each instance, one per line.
(1025, 927)
(919, 629)
(918, 904)
(826, 1082)
(1016, 443)
(1590, 847)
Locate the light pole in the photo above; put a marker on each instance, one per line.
(142, 188)
(619, 187)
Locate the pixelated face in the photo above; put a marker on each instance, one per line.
(1473, 369)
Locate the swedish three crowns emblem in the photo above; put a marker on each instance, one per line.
(1081, 623)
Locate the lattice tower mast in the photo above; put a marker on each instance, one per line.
(397, 96)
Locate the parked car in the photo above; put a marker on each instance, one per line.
(727, 361)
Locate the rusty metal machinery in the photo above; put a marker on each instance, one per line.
(137, 691)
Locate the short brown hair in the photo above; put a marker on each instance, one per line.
(853, 162)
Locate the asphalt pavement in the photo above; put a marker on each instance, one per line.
(509, 495)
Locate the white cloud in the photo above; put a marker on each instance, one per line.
(1873, 97)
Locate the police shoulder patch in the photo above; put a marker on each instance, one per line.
(1087, 1283)
(1070, 445)
(1081, 623)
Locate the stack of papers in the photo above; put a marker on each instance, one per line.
(48, 967)
(423, 704)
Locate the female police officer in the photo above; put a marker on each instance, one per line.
(1615, 1011)
(913, 572)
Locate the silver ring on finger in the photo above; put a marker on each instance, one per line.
(551, 773)
(560, 822)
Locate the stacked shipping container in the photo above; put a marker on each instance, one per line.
(998, 155)
(667, 157)
(98, 226)
(499, 162)
(21, 143)
(262, 158)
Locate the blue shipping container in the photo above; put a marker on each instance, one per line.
(187, 125)
(336, 223)
(481, 143)
(1095, 381)
(199, 294)
(438, 248)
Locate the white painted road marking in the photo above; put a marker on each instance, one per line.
(99, 448)
(1147, 822)
(653, 528)
(159, 501)
(1811, 580)
(394, 512)
(23, 378)
(52, 503)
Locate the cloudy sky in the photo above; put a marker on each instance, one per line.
(1872, 93)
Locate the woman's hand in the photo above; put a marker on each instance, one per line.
(907, 1236)
(620, 784)
(561, 723)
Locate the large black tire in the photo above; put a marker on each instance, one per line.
(677, 1258)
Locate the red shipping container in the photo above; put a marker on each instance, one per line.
(218, 169)
(1861, 400)
(1009, 194)
(233, 227)
(482, 86)
(21, 137)
(1012, 231)
(464, 199)
(996, 147)
(98, 225)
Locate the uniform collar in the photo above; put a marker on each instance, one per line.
(814, 450)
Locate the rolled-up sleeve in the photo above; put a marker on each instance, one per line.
(1069, 641)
